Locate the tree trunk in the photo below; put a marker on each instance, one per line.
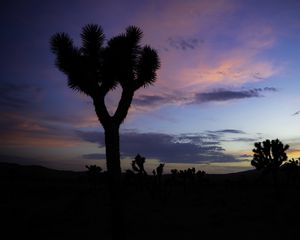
(112, 144)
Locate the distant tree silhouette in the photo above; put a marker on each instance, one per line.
(158, 172)
(187, 177)
(269, 156)
(158, 183)
(139, 175)
(95, 69)
(138, 164)
(200, 176)
(93, 169)
(292, 164)
(292, 170)
(94, 173)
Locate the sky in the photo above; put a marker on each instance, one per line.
(229, 77)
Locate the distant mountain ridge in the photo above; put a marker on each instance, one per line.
(31, 171)
(18, 170)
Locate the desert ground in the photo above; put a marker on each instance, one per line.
(42, 203)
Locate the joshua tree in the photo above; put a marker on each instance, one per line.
(269, 156)
(138, 165)
(140, 178)
(292, 169)
(159, 172)
(292, 164)
(95, 69)
(94, 172)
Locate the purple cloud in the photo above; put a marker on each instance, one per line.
(149, 100)
(184, 43)
(221, 95)
(235, 131)
(218, 95)
(167, 148)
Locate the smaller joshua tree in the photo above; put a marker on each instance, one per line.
(160, 169)
(140, 178)
(93, 173)
(292, 164)
(269, 156)
(292, 169)
(93, 169)
(158, 183)
(138, 165)
(200, 175)
(159, 172)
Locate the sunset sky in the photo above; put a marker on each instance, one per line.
(229, 77)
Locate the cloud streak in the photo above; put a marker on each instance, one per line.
(296, 113)
(15, 96)
(150, 100)
(17, 130)
(234, 131)
(222, 95)
(184, 44)
(219, 95)
(225, 95)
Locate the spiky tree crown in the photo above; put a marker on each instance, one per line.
(269, 154)
(94, 67)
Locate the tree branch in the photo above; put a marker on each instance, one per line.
(99, 104)
(124, 104)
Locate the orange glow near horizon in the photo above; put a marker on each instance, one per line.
(294, 154)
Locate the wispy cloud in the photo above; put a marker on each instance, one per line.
(224, 95)
(233, 135)
(236, 69)
(184, 44)
(296, 113)
(234, 131)
(221, 95)
(17, 130)
(15, 96)
(150, 100)
(243, 139)
(218, 95)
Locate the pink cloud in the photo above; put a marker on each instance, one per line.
(209, 64)
(232, 71)
(206, 68)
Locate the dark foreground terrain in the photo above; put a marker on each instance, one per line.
(39, 203)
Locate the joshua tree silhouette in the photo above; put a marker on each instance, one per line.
(95, 69)
(93, 173)
(159, 172)
(292, 169)
(138, 164)
(93, 169)
(268, 156)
